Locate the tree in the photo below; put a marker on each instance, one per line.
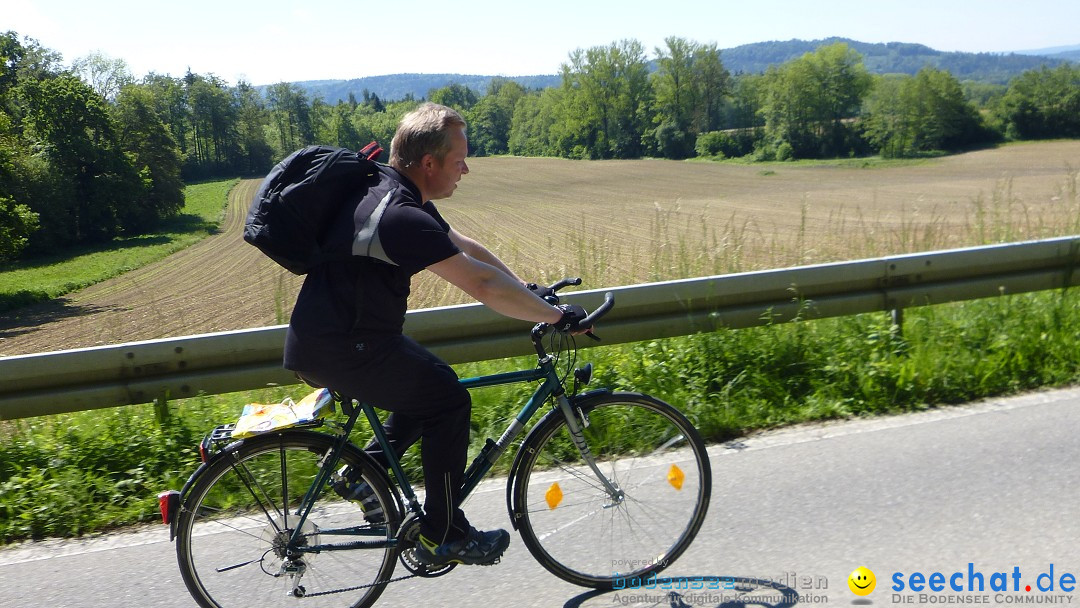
(93, 181)
(215, 142)
(537, 117)
(457, 96)
(714, 86)
(676, 97)
(606, 103)
(107, 76)
(1043, 103)
(17, 221)
(251, 121)
(171, 103)
(155, 155)
(907, 116)
(290, 116)
(808, 100)
(491, 118)
(690, 85)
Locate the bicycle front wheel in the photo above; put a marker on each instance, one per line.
(593, 535)
(240, 541)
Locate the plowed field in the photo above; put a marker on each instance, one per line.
(612, 222)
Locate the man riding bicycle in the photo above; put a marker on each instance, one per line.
(345, 332)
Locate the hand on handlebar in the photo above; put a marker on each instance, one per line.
(547, 293)
(575, 319)
(572, 316)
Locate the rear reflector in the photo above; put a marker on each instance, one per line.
(168, 503)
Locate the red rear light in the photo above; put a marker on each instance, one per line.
(204, 449)
(168, 503)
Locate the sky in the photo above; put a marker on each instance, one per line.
(274, 41)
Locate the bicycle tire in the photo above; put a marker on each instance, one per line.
(569, 521)
(229, 540)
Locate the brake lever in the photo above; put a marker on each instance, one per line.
(592, 335)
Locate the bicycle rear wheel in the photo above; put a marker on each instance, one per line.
(235, 541)
(575, 527)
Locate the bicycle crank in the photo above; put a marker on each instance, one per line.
(408, 537)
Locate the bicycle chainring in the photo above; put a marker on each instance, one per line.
(407, 537)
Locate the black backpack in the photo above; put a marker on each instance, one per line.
(301, 196)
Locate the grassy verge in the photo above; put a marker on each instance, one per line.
(76, 473)
(43, 279)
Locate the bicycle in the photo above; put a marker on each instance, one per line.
(607, 486)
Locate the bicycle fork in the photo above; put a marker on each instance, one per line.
(578, 437)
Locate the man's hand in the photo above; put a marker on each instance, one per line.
(572, 316)
(541, 291)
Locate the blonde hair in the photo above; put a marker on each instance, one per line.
(425, 130)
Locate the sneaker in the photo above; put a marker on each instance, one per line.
(359, 491)
(476, 549)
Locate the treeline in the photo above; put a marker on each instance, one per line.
(87, 152)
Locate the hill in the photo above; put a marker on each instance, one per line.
(1072, 53)
(894, 58)
(880, 58)
(400, 86)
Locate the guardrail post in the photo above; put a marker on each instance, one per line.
(897, 315)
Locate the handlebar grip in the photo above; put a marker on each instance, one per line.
(609, 303)
(567, 282)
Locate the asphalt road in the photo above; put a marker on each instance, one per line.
(986, 495)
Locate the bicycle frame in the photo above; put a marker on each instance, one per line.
(489, 454)
(477, 470)
(492, 450)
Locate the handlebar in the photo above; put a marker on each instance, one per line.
(609, 303)
(541, 329)
(567, 282)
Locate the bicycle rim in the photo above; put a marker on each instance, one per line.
(232, 536)
(572, 524)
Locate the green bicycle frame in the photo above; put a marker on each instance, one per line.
(492, 450)
(480, 466)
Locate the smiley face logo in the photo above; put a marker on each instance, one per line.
(861, 581)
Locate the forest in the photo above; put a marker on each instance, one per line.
(89, 152)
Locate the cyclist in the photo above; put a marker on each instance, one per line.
(345, 332)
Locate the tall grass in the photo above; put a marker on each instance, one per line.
(41, 279)
(683, 244)
(76, 473)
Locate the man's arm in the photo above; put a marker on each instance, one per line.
(499, 289)
(478, 252)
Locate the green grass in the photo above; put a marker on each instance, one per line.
(71, 474)
(42, 279)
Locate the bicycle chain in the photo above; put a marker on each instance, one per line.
(358, 587)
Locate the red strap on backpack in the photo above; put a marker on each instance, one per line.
(371, 151)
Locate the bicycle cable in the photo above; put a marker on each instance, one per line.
(565, 343)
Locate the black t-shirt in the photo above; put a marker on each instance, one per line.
(342, 304)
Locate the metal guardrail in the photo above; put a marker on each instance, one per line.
(140, 372)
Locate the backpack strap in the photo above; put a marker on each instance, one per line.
(371, 151)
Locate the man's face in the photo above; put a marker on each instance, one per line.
(445, 174)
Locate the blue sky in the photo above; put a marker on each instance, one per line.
(274, 40)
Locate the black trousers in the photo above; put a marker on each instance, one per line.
(426, 402)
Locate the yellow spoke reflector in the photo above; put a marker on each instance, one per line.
(675, 477)
(553, 496)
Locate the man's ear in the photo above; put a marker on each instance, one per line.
(427, 163)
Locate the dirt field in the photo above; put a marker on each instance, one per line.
(611, 222)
